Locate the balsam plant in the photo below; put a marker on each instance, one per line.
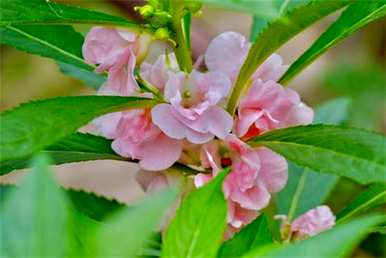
(225, 124)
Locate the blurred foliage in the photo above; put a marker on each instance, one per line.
(365, 84)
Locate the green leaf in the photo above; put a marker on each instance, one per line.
(35, 218)
(353, 18)
(88, 77)
(373, 196)
(259, 8)
(73, 148)
(36, 125)
(94, 206)
(305, 188)
(49, 12)
(254, 235)
(199, 224)
(127, 232)
(60, 42)
(276, 34)
(337, 242)
(349, 152)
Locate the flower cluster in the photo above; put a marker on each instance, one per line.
(190, 124)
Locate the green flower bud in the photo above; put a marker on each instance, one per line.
(146, 10)
(162, 33)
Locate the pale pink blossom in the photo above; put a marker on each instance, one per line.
(192, 111)
(158, 73)
(138, 138)
(269, 106)
(313, 222)
(254, 175)
(228, 51)
(116, 51)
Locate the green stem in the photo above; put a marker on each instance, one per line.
(181, 50)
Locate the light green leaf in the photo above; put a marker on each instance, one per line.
(48, 12)
(128, 232)
(349, 152)
(88, 77)
(373, 196)
(353, 18)
(337, 242)
(254, 235)
(93, 206)
(36, 125)
(276, 34)
(305, 188)
(259, 8)
(60, 42)
(74, 148)
(199, 224)
(34, 218)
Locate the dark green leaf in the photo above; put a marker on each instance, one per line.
(337, 242)
(88, 77)
(349, 152)
(276, 34)
(254, 235)
(94, 206)
(36, 125)
(59, 42)
(353, 18)
(305, 188)
(49, 12)
(373, 196)
(35, 217)
(129, 231)
(73, 148)
(199, 224)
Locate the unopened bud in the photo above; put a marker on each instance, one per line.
(146, 10)
(161, 33)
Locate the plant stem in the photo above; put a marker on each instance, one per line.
(182, 51)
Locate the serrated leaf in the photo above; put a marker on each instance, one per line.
(337, 242)
(348, 152)
(49, 12)
(198, 227)
(73, 148)
(353, 18)
(373, 196)
(36, 125)
(275, 34)
(254, 235)
(127, 233)
(88, 77)
(305, 188)
(35, 218)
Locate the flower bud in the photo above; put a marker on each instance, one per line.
(162, 33)
(146, 10)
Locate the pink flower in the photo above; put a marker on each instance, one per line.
(138, 138)
(228, 51)
(116, 51)
(269, 106)
(255, 174)
(158, 73)
(193, 112)
(313, 222)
